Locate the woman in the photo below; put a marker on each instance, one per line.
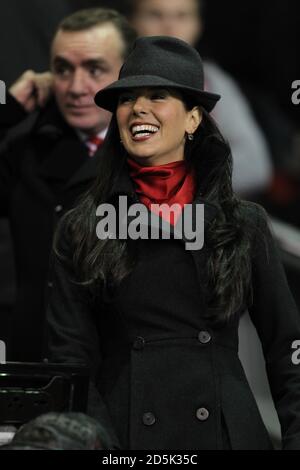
(156, 322)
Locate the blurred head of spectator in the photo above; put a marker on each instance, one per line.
(177, 18)
(87, 52)
(183, 19)
(60, 431)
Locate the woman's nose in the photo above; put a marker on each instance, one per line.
(140, 105)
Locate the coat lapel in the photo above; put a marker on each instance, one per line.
(66, 157)
(200, 257)
(29, 170)
(87, 172)
(56, 154)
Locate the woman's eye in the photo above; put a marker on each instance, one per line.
(125, 98)
(159, 96)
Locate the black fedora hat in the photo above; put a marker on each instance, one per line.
(160, 61)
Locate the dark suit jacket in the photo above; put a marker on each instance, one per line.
(44, 167)
(167, 378)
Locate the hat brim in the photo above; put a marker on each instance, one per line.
(107, 98)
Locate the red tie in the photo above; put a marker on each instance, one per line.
(93, 143)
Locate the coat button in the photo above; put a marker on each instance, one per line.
(149, 419)
(204, 337)
(58, 208)
(139, 343)
(202, 414)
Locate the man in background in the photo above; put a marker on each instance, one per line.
(51, 157)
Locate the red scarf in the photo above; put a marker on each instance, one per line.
(169, 184)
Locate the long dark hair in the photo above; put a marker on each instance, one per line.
(107, 262)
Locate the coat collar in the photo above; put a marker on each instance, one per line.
(51, 129)
(218, 150)
(124, 186)
(87, 172)
(50, 123)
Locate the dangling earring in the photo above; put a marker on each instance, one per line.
(190, 136)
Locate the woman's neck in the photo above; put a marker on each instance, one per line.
(151, 162)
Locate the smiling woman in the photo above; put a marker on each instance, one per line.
(157, 323)
(153, 124)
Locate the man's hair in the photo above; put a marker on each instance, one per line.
(91, 17)
(131, 6)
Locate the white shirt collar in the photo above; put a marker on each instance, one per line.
(84, 137)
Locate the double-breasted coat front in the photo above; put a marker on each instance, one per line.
(167, 378)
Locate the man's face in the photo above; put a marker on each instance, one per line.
(83, 62)
(176, 18)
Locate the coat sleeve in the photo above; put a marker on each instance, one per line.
(71, 332)
(277, 320)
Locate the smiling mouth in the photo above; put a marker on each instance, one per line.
(143, 132)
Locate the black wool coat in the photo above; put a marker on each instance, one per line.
(166, 378)
(44, 167)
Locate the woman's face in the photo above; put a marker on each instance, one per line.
(153, 124)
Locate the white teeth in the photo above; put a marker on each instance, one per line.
(143, 134)
(144, 128)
